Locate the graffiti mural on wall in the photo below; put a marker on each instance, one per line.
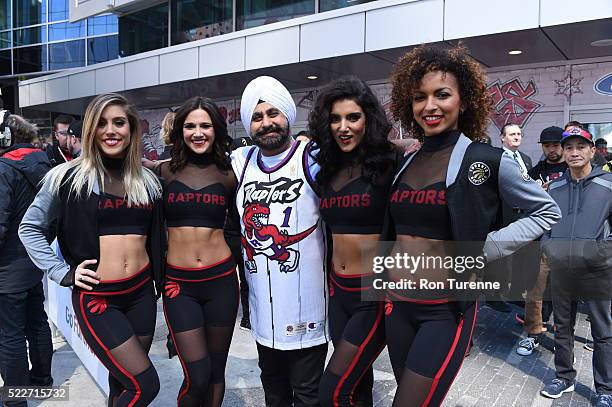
(568, 85)
(513, 102)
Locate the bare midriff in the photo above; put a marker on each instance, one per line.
(121, 256)
(353, 253)
(196, 247)
(417, 246)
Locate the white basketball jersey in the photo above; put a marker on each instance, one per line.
(283, 248)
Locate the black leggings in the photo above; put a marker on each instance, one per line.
(117, 320)
(200, 306)
(358, 332)
(427, 345)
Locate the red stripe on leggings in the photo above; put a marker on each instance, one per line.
(109, 354)
(176, 347)
(447, 361)
(357, 356)
(469, 340)
(371, 361)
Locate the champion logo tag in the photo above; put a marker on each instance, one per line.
(478, 173)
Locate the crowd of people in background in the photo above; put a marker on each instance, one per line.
(282, 225)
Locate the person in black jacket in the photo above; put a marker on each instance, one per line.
(22, 314)
(450, 191)
(109, 230)
(59, 152)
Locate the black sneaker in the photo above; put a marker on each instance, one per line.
(603, 400)
(556, 388)
(245, 324)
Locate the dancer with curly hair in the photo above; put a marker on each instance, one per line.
(451, 190)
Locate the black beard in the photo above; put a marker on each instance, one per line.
(549, 158)
(271, 142)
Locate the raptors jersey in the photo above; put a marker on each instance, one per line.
(283, 247)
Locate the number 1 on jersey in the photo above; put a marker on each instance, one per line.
(287, 213)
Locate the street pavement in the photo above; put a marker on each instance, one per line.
(492, 375)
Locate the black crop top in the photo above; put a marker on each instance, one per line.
(418, 200)
(199, 194)
(204, 207)
(356, 208)
(115, 217)
(350, 203)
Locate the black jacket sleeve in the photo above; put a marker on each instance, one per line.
(6, 197)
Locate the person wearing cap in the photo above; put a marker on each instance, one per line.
(601, 145)
(283, 247)
(537, 311)
(579, 252)
(59, 151)
(74, 138)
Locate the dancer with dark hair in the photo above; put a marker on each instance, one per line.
(357, 165)
(452, 189)
(115, 204)
(201, 289)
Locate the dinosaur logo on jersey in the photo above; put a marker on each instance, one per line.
(268, 240)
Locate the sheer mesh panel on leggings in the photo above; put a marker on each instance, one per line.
(196, 177)
(412, 389)
(193, 351)
(132, 356)
(219, 339)
(114, 385)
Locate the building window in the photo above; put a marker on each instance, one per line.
(143, 30)
(253, 13)
(5, 15)
(66, 31)
(101, 25)
(5, 39)
(64, 55)
(30, 59)
(29, 12)
(326, 5)
(101, 49)
(58, 10)
(194, 20)
(30, 36)
(5, 63)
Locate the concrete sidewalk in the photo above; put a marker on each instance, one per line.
(493, 374)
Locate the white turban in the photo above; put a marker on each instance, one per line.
(269, 90)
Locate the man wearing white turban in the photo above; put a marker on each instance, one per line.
(284, 249)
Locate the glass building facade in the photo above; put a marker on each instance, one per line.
(179, 21)
(36, 36)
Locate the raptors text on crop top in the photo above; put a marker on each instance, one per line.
(418, 204)
(198, 195)
(115, 215)
(351, 204)
(356, 208)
